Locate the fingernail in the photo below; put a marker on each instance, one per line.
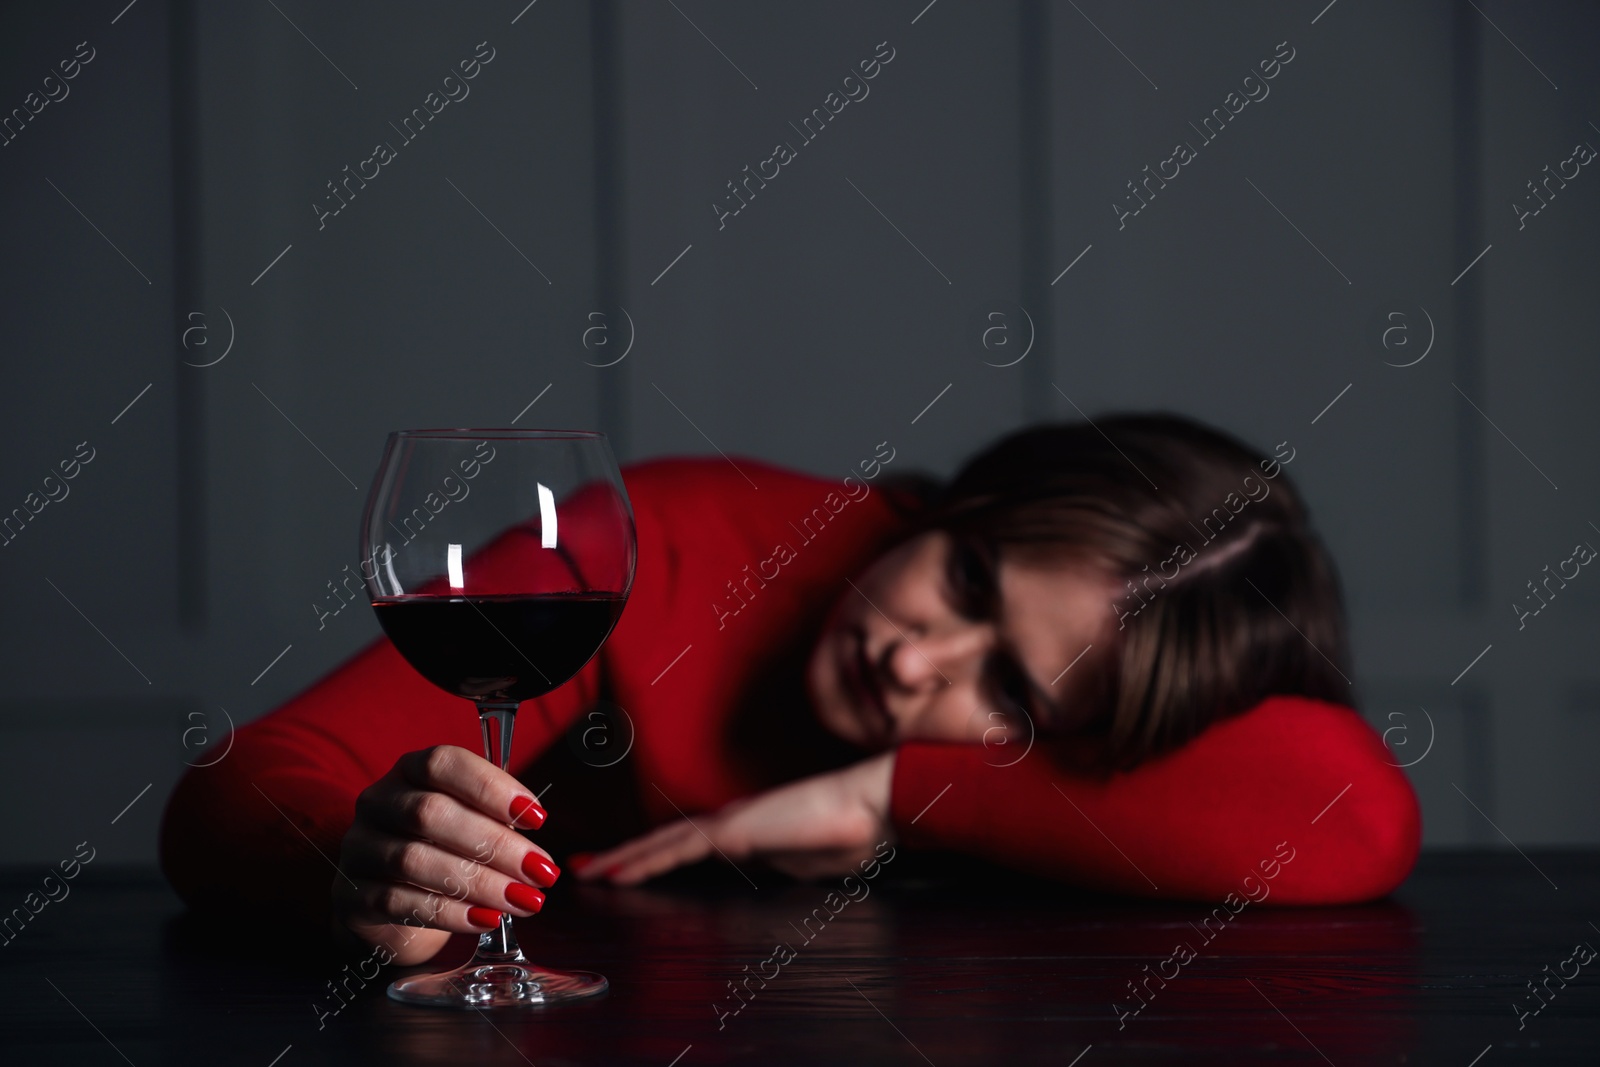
(526, 809)
(487, 918)
(540, 870)
(579, 860)
(524, 896)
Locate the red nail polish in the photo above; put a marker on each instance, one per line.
(524, 896)
(579, 860)
(540, 871)
(527, 810)
(487, 918)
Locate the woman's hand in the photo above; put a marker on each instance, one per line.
(813, 828)
(430, 853)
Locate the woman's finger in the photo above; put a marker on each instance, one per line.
(376, 855)
(445, 821)
(366, 901)
(475, 782)
(683, 846)
(690, 850)
(602, 864)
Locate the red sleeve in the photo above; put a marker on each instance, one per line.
(1192, 824)
(262, 827)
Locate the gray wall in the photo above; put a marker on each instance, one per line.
(821, 319)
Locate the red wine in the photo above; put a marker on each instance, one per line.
(499, 648)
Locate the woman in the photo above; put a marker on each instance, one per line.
(1110, 654)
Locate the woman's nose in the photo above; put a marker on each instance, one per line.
(918, 661)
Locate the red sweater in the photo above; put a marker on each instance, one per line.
(682, 662)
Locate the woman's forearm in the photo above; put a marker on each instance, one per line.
(1188, 825)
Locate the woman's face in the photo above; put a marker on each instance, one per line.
(932, 645)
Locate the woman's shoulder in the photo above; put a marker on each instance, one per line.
(695, 479)
(1296, 709)
(1301, 738)
(696, 515)
(681, 483)
(1300, 720)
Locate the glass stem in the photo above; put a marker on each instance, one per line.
(498, 721)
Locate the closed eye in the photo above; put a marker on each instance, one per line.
(970, 579)
(973, 589)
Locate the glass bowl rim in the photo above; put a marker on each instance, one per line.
(497, 433)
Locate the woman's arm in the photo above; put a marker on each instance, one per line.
(262, 829)
(269, 826)
(1296, 796)
(1192, 824)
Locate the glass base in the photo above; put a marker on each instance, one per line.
(498, 975)
(512, 983)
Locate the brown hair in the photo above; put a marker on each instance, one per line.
(1228, 595)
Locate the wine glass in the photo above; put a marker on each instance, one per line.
(498, 562)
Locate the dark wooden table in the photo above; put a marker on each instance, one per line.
(927, 969)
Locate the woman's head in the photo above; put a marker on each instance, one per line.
(1131, 580)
